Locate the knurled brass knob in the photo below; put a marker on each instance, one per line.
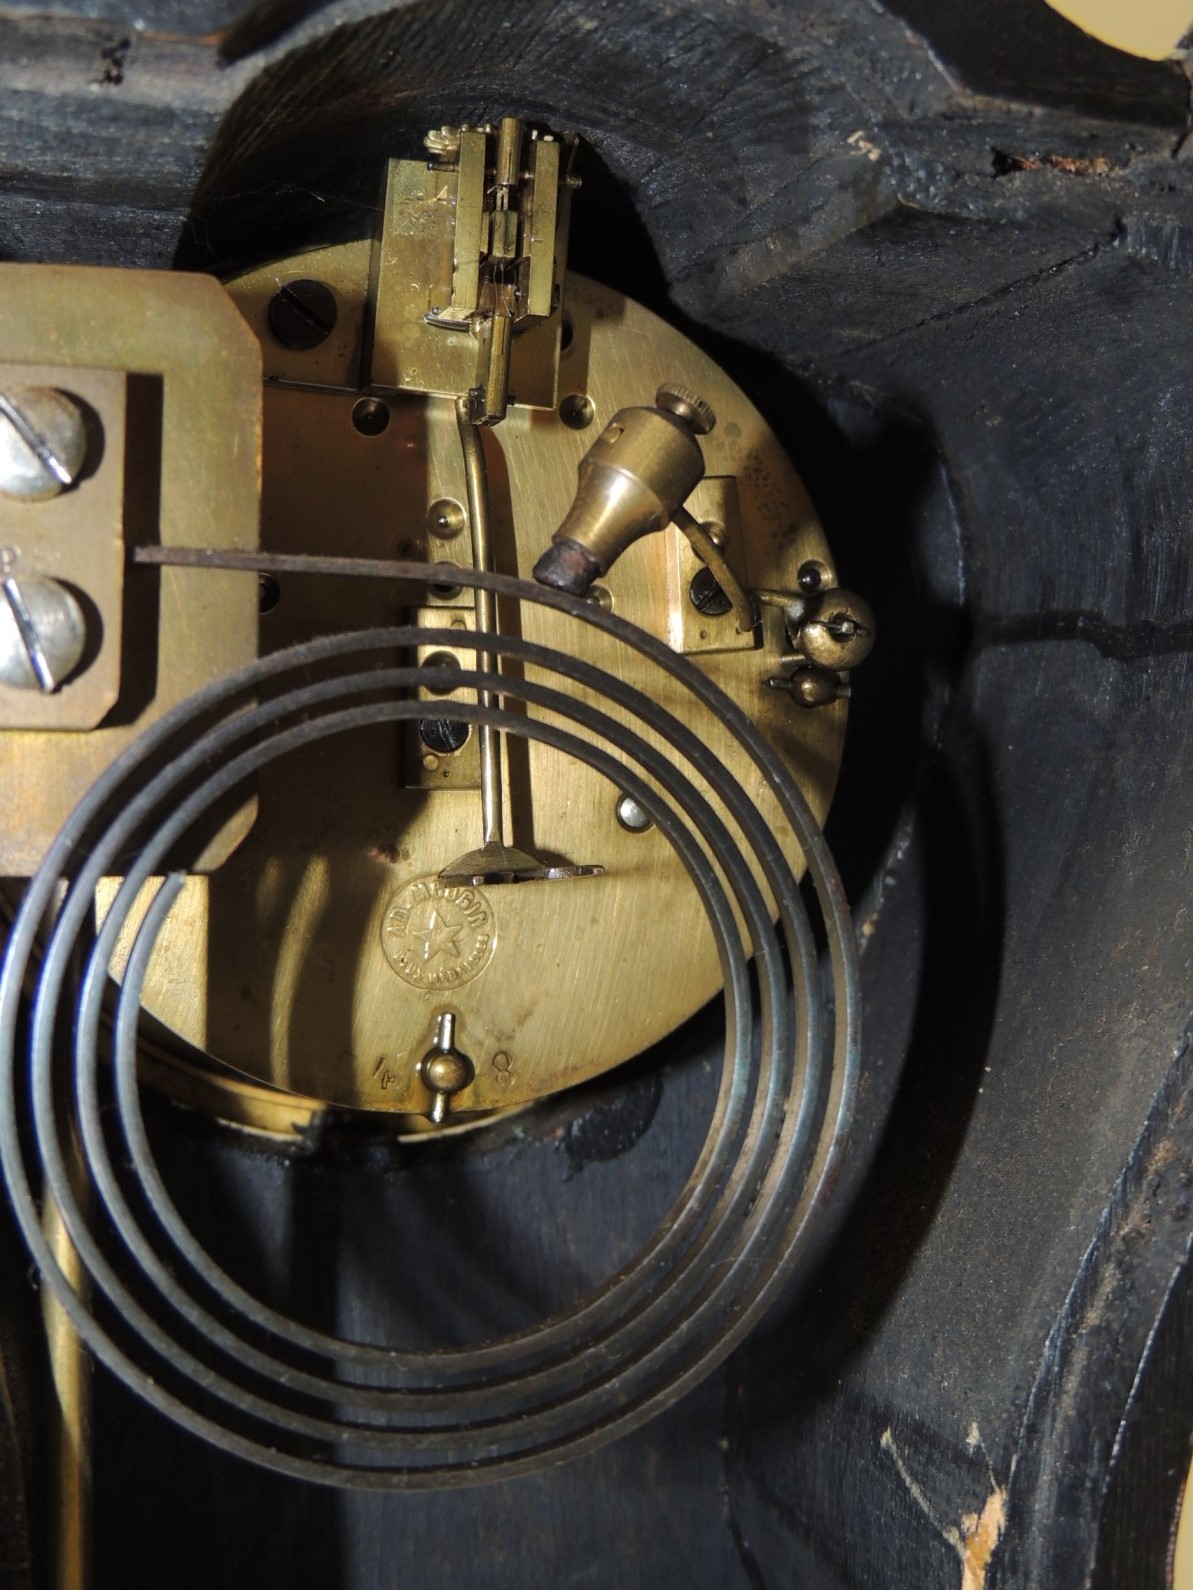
(687, 405)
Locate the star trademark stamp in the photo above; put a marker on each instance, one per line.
(438, 935)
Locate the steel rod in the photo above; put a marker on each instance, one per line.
(489, 743)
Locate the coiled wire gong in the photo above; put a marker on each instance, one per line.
(155, 1307)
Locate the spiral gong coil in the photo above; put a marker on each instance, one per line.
(158, 1310)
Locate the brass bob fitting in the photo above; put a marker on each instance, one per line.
(640, 470)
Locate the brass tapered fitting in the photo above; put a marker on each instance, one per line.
(640, 470)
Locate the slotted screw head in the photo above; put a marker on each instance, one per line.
(442, 735)
(838, 632)
(706, 595)
(302, 314)
(43, 442)
(42, 633)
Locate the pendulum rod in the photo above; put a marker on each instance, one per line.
(477, 485)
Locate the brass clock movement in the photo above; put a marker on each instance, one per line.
(422, 679)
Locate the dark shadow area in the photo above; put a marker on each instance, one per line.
(26, 1450)
(255, 26)
(1147, 1489)
(787, 1379)
(142, 528)
(1114, 1385)
(959, 858)
(214, 1525)
(93, 623)
(380, 1240)
(603, 212)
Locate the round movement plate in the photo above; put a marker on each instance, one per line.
(320, 956)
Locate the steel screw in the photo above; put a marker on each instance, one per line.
(577, 411)
(706, 595)
(43, 442)
(445, 518)
(442, 735)
(42, 633)
(630, 815)
(302, 314)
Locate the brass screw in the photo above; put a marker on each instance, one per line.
(445, 518)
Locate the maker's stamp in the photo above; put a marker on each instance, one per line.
(438, 935)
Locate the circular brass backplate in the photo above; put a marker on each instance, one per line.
(319, 956)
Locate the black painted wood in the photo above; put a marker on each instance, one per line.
(967, 314)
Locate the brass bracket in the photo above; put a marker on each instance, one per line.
(180, 464)
(710, 539)
(481, 228)
(426, 765)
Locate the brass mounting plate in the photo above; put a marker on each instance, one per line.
(714, 502)
(181, 463)
(407, 353)
(286, 963)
